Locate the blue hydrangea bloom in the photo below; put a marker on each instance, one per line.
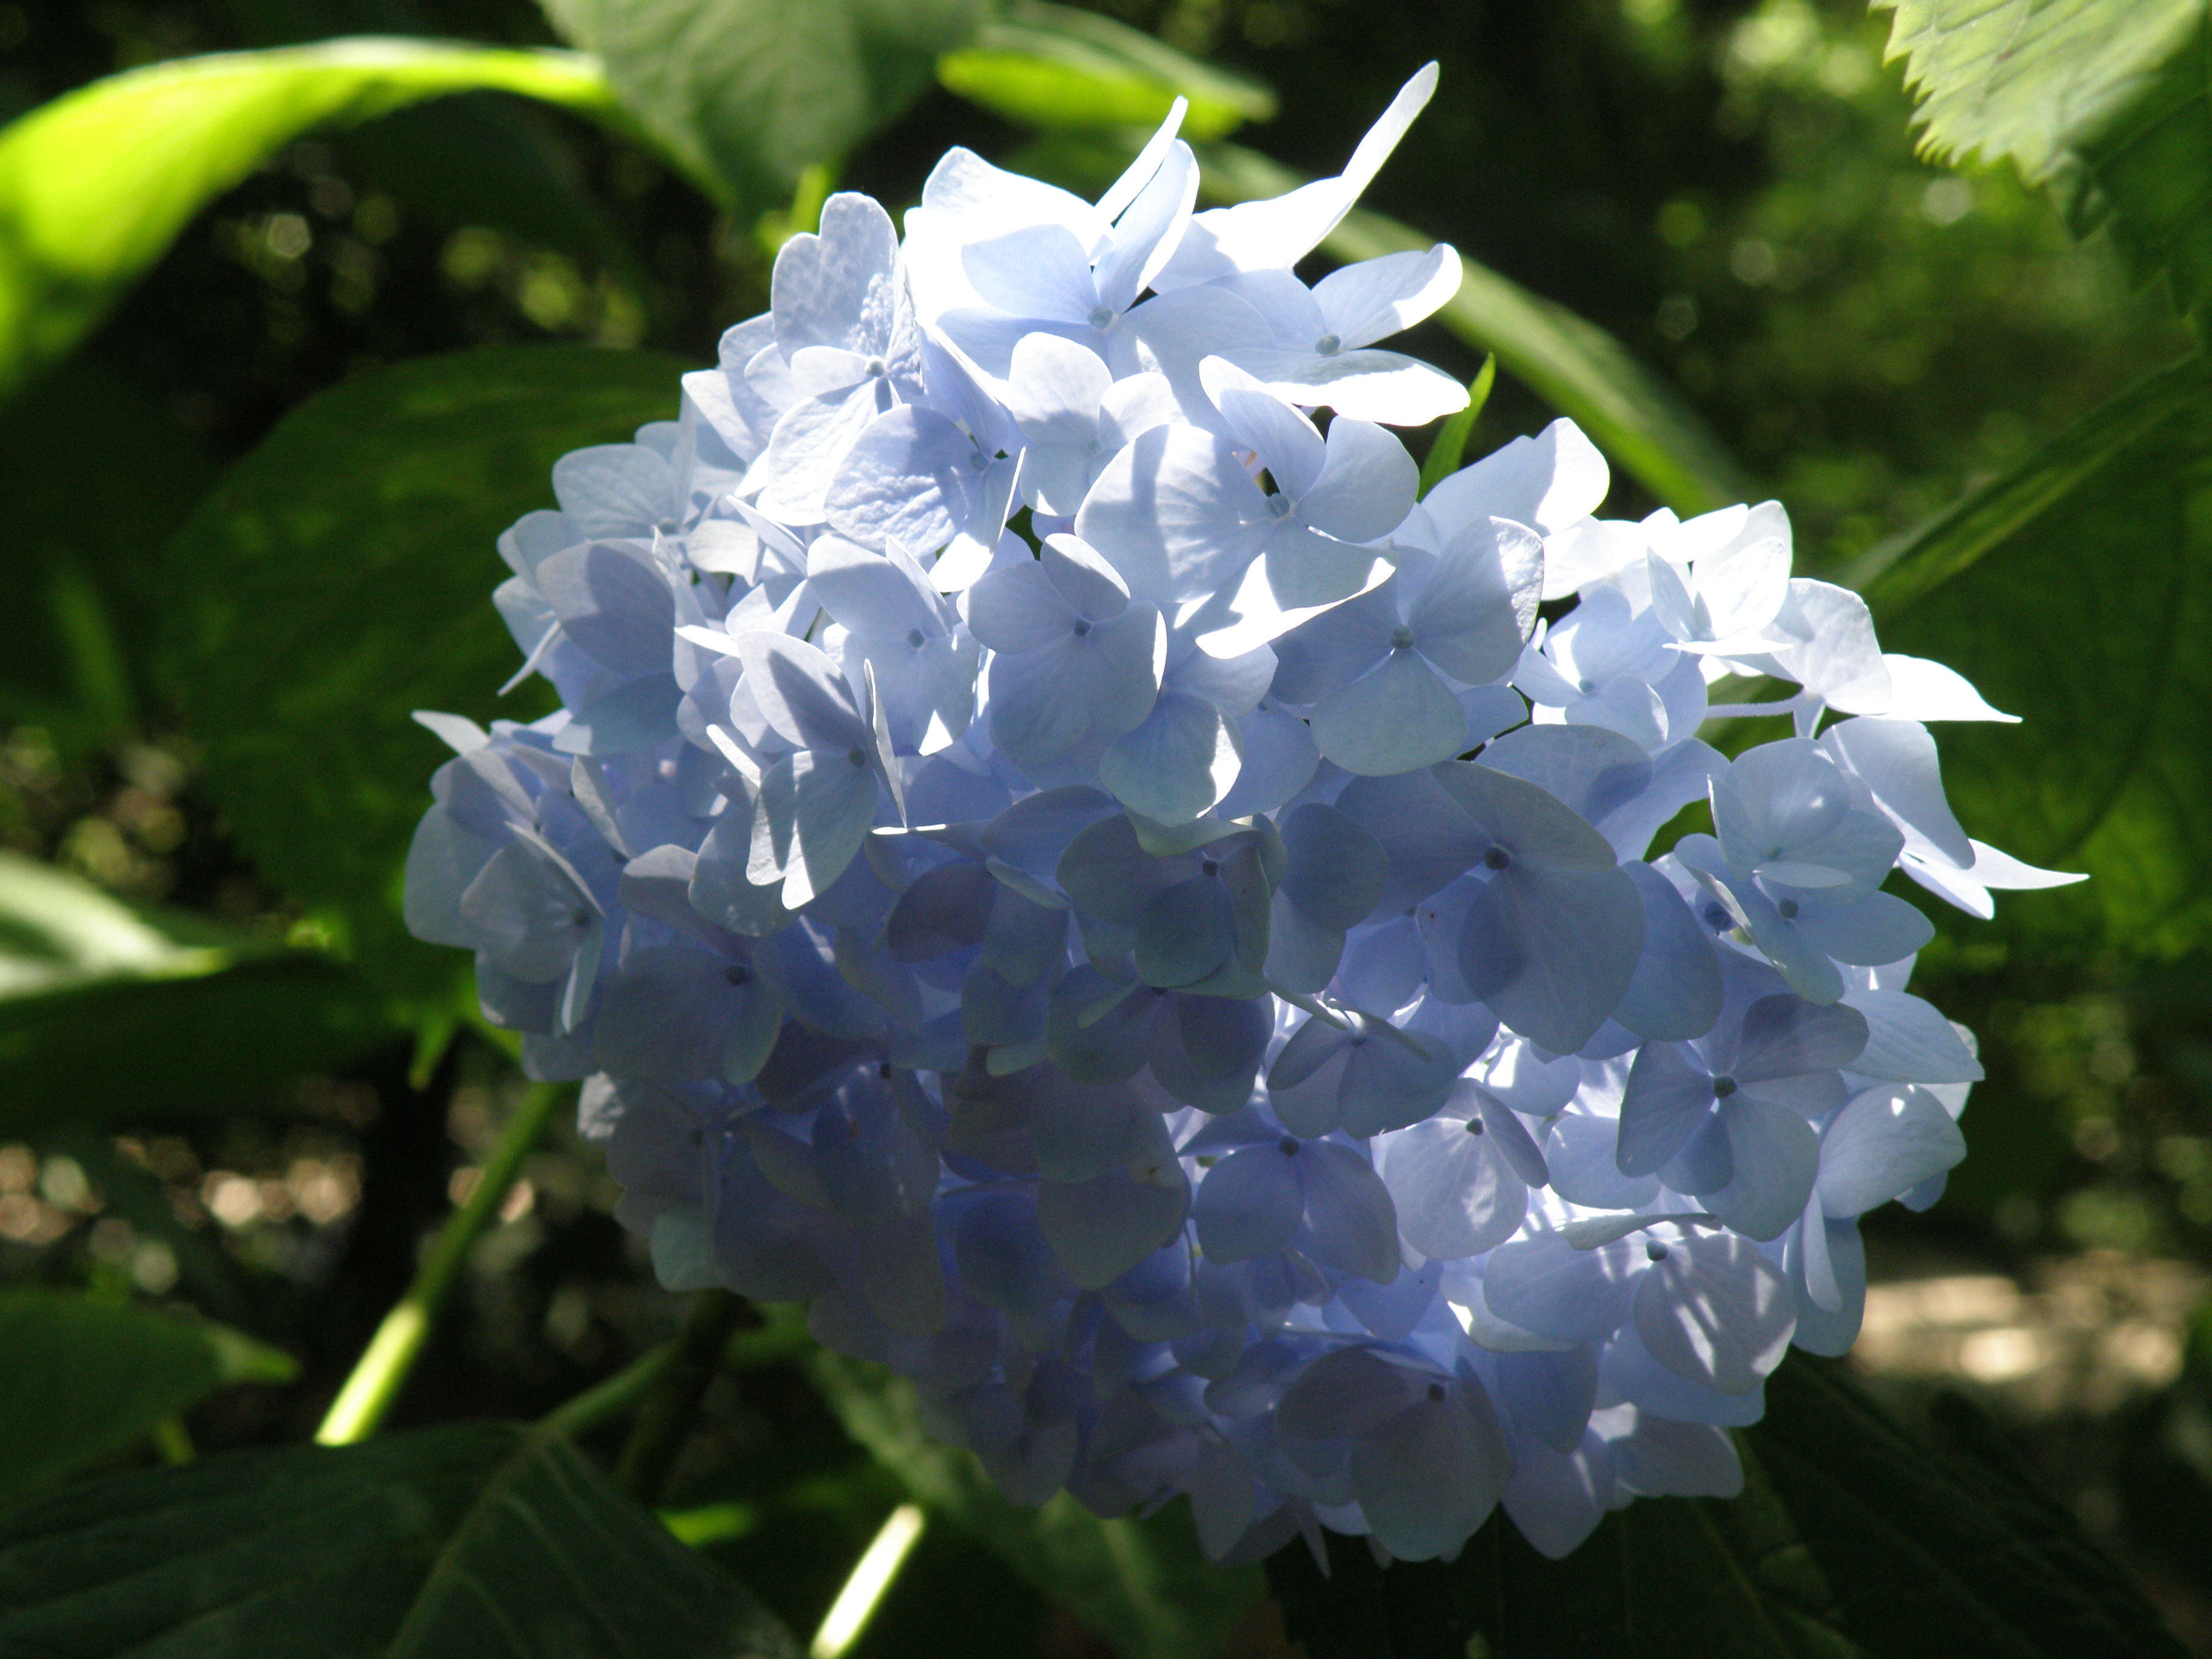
(1051, 856)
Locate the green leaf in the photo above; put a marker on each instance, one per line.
(1939, 1549)
(2073, 592)
(341, 576)
(1143, 1586)
(1572, 364)
(750, 93)
(468, 1542)
(1053, 66)
(57, 931)
(2104, 100)
(81, 1379)
(1449, 447)
(96, 185)
(132, 1053)
(110, 1015)
(76, 585)
(1665, 1577)
(1852, 1540)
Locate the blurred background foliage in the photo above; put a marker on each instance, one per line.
(1729, 189)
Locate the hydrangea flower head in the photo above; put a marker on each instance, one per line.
(1051, 855)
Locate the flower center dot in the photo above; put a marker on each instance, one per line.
(1328, 346)
(1209, 867)
(873, 366)
(1400, 637)
(735, 975)
(1474, 1126)
(1082, 626)
(913, 638)
(1279, 505)
(1788, 909)
(1287, 1146)
(1436, 1393)
(1724, 1087)
(858, 757)
(1101, 317)
(1496, 859)
(1654, 1251)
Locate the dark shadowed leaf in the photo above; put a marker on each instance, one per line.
(1143, 1586)
(479, 1542)
(1853, 1540)
(81, 1379)
(1663, 1577)
(751, 92)
(1945, 1548)
(341, 576)
(2073, 593)
(2106, 102)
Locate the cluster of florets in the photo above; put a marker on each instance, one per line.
(1051, 854)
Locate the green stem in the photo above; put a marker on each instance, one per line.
(603, 1401)
(870, 1581)
(765, 1344)
(382, 1369)
(657, 1434)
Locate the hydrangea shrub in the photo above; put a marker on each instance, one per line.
(1051, 855)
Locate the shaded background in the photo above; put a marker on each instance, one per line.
(1729, 189)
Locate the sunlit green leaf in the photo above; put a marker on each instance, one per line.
(1143, 1586)
(1572, 364)
(750, 93)
(1053, 66)
(2072, 592)
(82, 1379)
(96, 185)
(472, 1541)
(110, 1015)
(341, 576)
(1448, 449)
(2105, 100)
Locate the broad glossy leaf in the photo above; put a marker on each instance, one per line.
(750, 93)
(1852, 1539)
(81, 1379)
(2073, 592)
(2105, 100)
(1572, 364)
(1727, 1578)
(472, 1541)
(341, 576)
(96, 185)
(1939, 1548)
(1143, 1586)
(1053, 66)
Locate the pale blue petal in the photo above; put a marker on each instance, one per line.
(1352, 1223)
(1428, 1478)
(1248, 1204)
(1883, 1144)
(1716, 1310)
(1668, 1096)
(1776, 1154)
(1456, 1196)
(1395, 720)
